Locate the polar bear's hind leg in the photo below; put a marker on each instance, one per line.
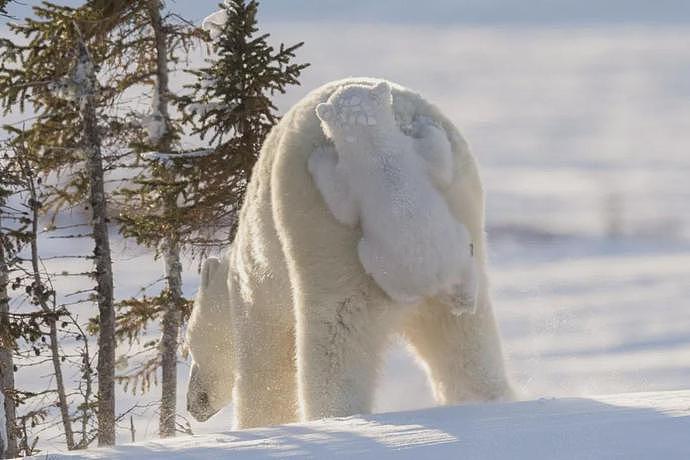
(341, 342)
(462, 352)
(373, 262)
(461, 297)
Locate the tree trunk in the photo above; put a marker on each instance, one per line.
(6, 365)
(3, 427)
(104, 270)
(86, 389)
(173, 267)
(168, 346)
(60, 384)
(51, 319)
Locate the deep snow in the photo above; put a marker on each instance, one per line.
(628, 426)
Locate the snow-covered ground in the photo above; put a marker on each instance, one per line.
(583, 137)
(629, 426)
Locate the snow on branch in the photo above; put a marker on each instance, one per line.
(154, 122)
(168, 158)
(202, 109)
(214, 23)
(78, 84)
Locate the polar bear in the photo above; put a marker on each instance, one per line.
(377, 177)
(308, 325)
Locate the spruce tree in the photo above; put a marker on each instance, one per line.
(54, 73)
(230, 104)
(169, 243)
(186, 197)
(151, 203)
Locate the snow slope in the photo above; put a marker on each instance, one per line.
(630, 426)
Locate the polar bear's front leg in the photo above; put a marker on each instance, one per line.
(323, 166)
(434, 147)
(265, 391)
(263, 322)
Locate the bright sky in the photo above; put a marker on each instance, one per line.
(552, 12)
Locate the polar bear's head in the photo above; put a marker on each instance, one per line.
(354, 111)
(209, 341)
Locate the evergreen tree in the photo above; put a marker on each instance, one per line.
(185, 197)
(54, 73)
(151, 204)
(169, 242)
(74, 65)
(230, 103)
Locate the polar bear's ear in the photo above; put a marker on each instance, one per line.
(208, 270)
(325, 111)
(382, 92)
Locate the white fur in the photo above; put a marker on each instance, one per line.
(383, 180)
(309, 326)
(209, 339)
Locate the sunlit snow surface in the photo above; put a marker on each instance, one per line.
(629, 426)
(580, 133)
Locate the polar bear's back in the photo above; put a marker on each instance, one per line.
(308, 233)
(305, 132)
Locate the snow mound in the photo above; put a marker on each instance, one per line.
(638, 425)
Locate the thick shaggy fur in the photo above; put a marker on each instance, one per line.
(377, 177)
(309, 326)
